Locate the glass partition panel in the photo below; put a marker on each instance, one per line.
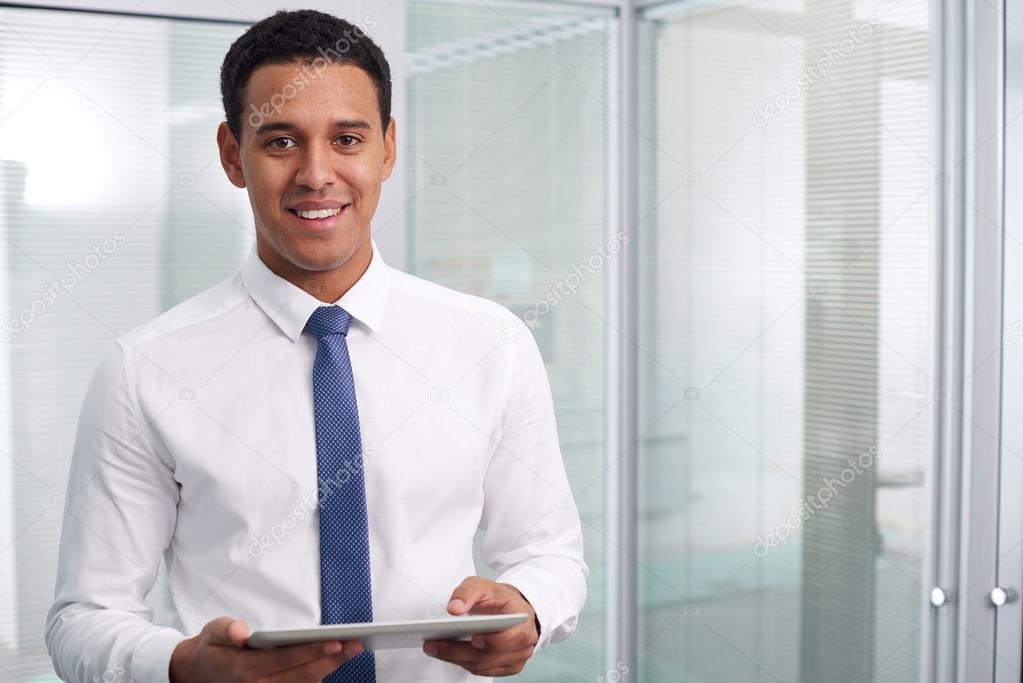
(787, 326)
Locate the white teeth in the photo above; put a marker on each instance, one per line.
(322, 213)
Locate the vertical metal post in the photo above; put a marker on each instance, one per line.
(947, 72)
(978, 167)
(620, 616)
(1009, 625)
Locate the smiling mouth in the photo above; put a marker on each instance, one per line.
(318, 214)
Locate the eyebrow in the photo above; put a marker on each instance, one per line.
(287, 127)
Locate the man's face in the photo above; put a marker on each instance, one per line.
(322, 151)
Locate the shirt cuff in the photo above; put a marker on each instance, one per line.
(533, 592)
(150, 662)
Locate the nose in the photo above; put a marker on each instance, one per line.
(315, 171)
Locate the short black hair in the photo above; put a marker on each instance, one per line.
(315, 37)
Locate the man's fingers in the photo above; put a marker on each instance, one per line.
(456, 652)
(465, 595)
(226, 631)
(474, 660)
(515, 659)
(311, 672)
(514, 638)
(281, 659)
(473, 589)
(237, 633)
(462, 653)
(507, 670)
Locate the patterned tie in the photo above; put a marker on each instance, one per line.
(346, 595)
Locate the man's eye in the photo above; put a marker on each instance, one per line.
(280, 143)
(351, 138)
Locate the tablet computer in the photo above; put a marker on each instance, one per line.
(387, 635)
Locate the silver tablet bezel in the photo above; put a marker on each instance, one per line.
(381, 635)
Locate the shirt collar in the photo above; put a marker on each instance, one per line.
(290, 306)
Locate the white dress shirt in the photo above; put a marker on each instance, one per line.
(196, 444)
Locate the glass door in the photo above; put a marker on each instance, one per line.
(787, 368)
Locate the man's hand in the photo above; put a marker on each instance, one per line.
(218, 654)
(494, 654)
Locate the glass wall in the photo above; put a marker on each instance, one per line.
(786, 304)
(507, 144)
(787, 327)
(113, 207)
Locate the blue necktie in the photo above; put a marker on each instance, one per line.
(346, 595)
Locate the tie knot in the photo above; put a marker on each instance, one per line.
(327, 320)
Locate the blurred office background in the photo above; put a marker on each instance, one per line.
(766, 247)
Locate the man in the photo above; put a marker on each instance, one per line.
(318, 438)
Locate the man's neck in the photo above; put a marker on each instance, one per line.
(327, 286)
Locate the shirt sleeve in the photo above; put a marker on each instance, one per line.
(119, 517)
(532, 533)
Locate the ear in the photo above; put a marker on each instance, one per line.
(230, 157)
(390, 148)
